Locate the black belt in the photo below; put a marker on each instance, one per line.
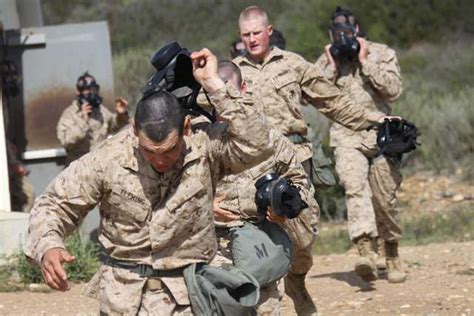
(144, 270)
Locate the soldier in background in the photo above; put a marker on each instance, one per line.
(369, 73)
(278, 81)
(86, 122)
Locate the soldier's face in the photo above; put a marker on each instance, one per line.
(163, 155)
(256, 37)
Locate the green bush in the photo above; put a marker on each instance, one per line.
(334, 239)
(28, 273)
(151, 23)
(6, 284)
(82, 269)
(132, 69)
(438, 98)
(454, 225)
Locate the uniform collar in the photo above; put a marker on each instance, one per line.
(275, 53)
(130, 157)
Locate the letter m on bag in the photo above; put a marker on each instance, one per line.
(261, 252)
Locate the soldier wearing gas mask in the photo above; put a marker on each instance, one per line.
(86, 122)
(369, 74)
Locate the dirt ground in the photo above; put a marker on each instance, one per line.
(440, 282)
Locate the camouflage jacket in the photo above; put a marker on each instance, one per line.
(284, 80)
(79, 136)
(161, 219)
(240, 188)
(371, 85)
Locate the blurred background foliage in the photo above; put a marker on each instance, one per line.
(433, 38)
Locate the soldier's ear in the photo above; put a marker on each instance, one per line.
(270, 29)
(187, 126)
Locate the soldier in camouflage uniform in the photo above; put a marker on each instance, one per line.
(82, 126)
(280, 82)
(372, 79)
(235, 201)
(154, 184)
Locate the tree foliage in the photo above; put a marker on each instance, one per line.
(213, 23)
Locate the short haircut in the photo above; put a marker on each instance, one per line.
(228, 71)
(253, 12)
(158, 115)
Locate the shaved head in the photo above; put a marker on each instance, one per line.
(253, 13)
(230, 72)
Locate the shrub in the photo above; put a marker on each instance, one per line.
(454, 225)
(82, 269)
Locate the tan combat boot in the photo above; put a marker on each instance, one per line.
(295, 288)
(380, 261)
(395, 273)
(365, 266)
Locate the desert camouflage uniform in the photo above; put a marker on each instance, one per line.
(240, 199)
(79, 136)
(370, 186)
(279, 86)
(284, 81)
(160, 219)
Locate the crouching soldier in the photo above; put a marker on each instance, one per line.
(154, 184)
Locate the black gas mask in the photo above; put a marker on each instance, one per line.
(279, 194)
(345, 46)
(174, 73)
(87, 82)
(397, 137)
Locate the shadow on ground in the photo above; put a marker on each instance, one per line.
(350, 277)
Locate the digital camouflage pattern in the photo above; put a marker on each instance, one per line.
(285, 81)
(372, 86)
(240, 190)
(370, 188)
(161, 219)
(79, 136)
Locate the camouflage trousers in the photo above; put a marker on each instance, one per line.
(302, 232)
(269, 302)
(370, 193)
(122, 292)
